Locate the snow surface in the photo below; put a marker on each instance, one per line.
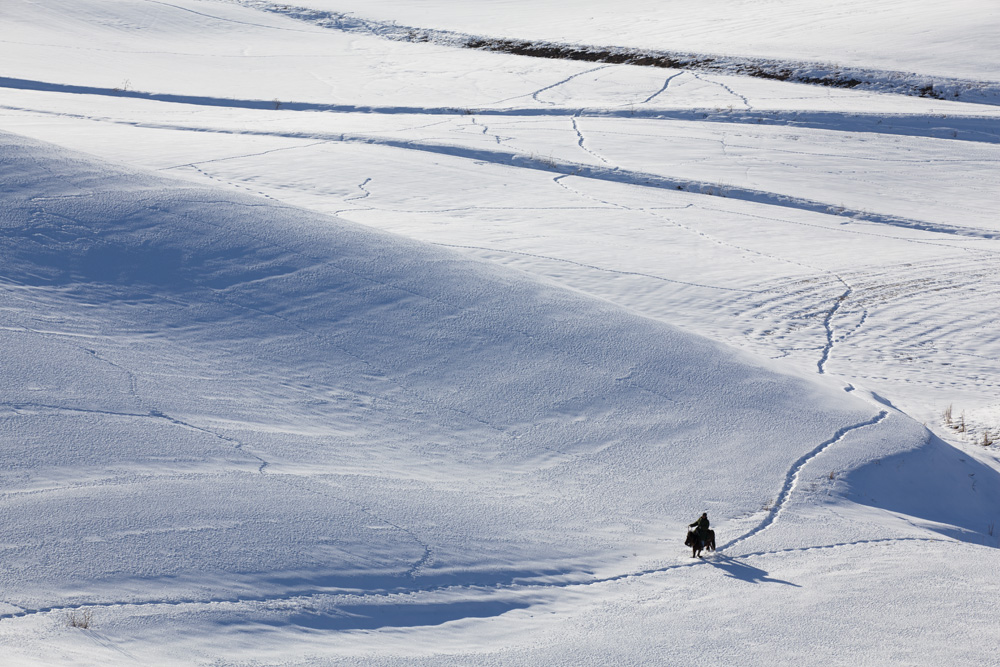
(326, 348)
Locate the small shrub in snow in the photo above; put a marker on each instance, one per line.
(80, 619)
(952, 423)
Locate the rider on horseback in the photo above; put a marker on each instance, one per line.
(706, 536)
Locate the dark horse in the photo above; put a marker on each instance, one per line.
(695, 541)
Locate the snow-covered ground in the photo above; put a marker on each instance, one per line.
(326, 346)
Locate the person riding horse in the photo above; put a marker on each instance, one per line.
(705, 535)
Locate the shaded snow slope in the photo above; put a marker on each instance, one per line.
(246, 392)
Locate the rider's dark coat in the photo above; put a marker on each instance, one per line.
(701, 525)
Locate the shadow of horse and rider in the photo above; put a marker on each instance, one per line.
(701, 537)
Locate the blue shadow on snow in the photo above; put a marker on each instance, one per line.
(744, 571)
(954, 493)
(373, 616)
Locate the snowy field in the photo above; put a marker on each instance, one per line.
(325, 340)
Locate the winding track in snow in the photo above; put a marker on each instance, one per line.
(791, 481)
(538, 92)
(581, 142)
(663, 89)
(365, 193)
(408, 595)
(742, 98)
(152, 414)
(828, 326)
(792, 477)
(415, 567)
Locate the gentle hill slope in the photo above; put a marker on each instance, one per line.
(212, 395)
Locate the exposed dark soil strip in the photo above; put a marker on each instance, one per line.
(812, 73)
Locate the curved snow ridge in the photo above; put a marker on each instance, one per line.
(812, 73)
(792, 478)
